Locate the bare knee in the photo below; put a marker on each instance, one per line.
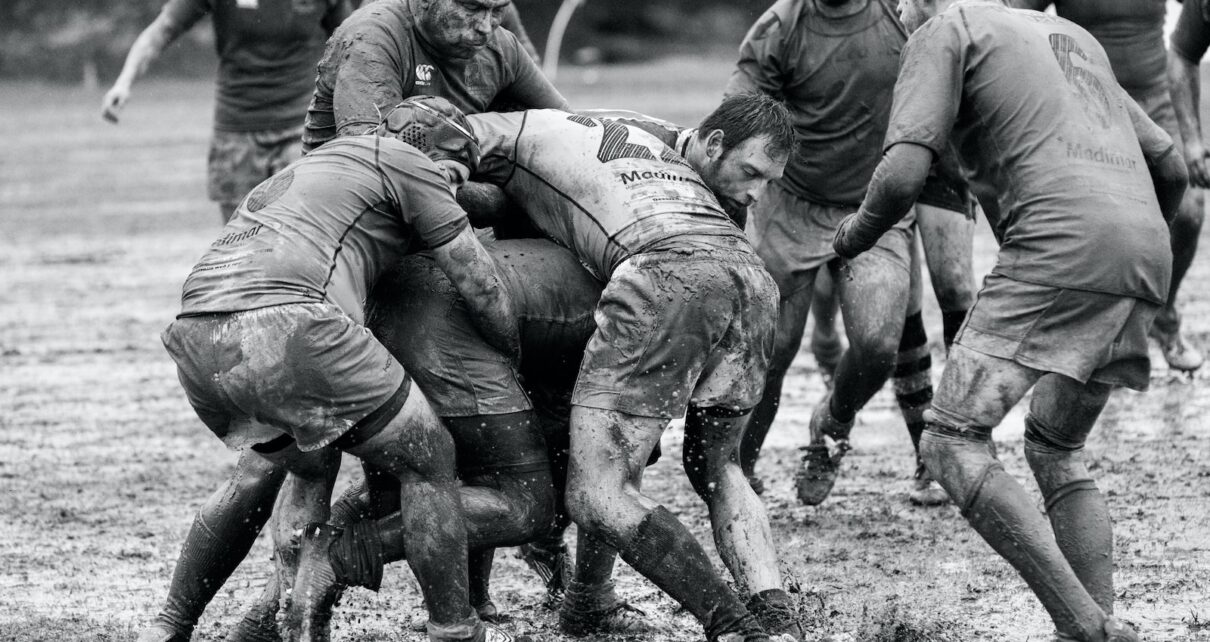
(1189, 216)
(585, 506)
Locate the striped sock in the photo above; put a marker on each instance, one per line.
(912, 379)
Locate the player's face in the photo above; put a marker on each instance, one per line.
(913, 13)
(460, 28)
(739, 176)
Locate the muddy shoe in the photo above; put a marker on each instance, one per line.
(926, 491)
(550, 560)
(821, 465)
(1178, 352)
(775, 611)
(593, 609)
(1114, 630)
(160, 631)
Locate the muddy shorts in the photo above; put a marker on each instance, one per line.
(419, 317)
(304, 369)
(1088, 336)
(794, 236)
(680, 328)
(949, 193)
(239, 161)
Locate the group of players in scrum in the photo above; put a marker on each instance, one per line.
(547, 368)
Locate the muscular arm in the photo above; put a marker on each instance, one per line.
(474, 275)
(485, 204)
(896, 183)
(145, 50)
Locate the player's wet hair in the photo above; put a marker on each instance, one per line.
(434, 126)
(743, 116)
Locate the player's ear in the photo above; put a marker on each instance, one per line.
(714, 144)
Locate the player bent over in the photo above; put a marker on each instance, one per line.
(1078, 185)
(685, 322)
(272, 351)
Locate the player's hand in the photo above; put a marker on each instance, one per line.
(113, 102)
(845, 243)
(1196, 161)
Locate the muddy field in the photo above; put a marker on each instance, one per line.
(102, 462)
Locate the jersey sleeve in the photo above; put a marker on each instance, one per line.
(497, 134)
(185, 13)
(530, 88)
(369, 79)
(760, 67)
(425, 201)
(929, 88)
(1191, 37)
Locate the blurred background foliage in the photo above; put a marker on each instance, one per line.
(86, 40)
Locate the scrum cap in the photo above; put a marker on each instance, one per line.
(435, 127)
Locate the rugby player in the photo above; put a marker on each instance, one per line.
(835, 63)
(387, 51)
(267, 53)
(685, 322)
(273, 354)
(362, 75)
(1077, 183)
(1132, 34)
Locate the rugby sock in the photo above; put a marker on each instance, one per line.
(666, 553)
(1077, 510)
(912, 378)
(951, 322)
(1000, 510)
(222, 533)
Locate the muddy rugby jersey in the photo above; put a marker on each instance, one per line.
(1131, 31)
(603, 189)
(1045, 135)
(835, 75)
(267, 51)
(325, 228)
(378, 57)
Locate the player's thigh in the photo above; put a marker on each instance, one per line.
(874, 289)
(412, 445)
(948, 240)
(977, 390)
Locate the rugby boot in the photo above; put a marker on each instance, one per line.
(926, 491)
(1178, 352)
(550, 560)
(821, 464)
(589, 609)
(774, 609)
(1114, 630)
(160, 631)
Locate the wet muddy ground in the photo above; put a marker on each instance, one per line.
(102, 462)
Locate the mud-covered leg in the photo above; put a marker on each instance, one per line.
(740, 524)
(609, 450)
(791, 322)
(1062, 413)
(975, 394)
(222, 533)
(826, 343)
(948, 240)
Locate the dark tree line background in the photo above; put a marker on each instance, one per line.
(86, 40)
